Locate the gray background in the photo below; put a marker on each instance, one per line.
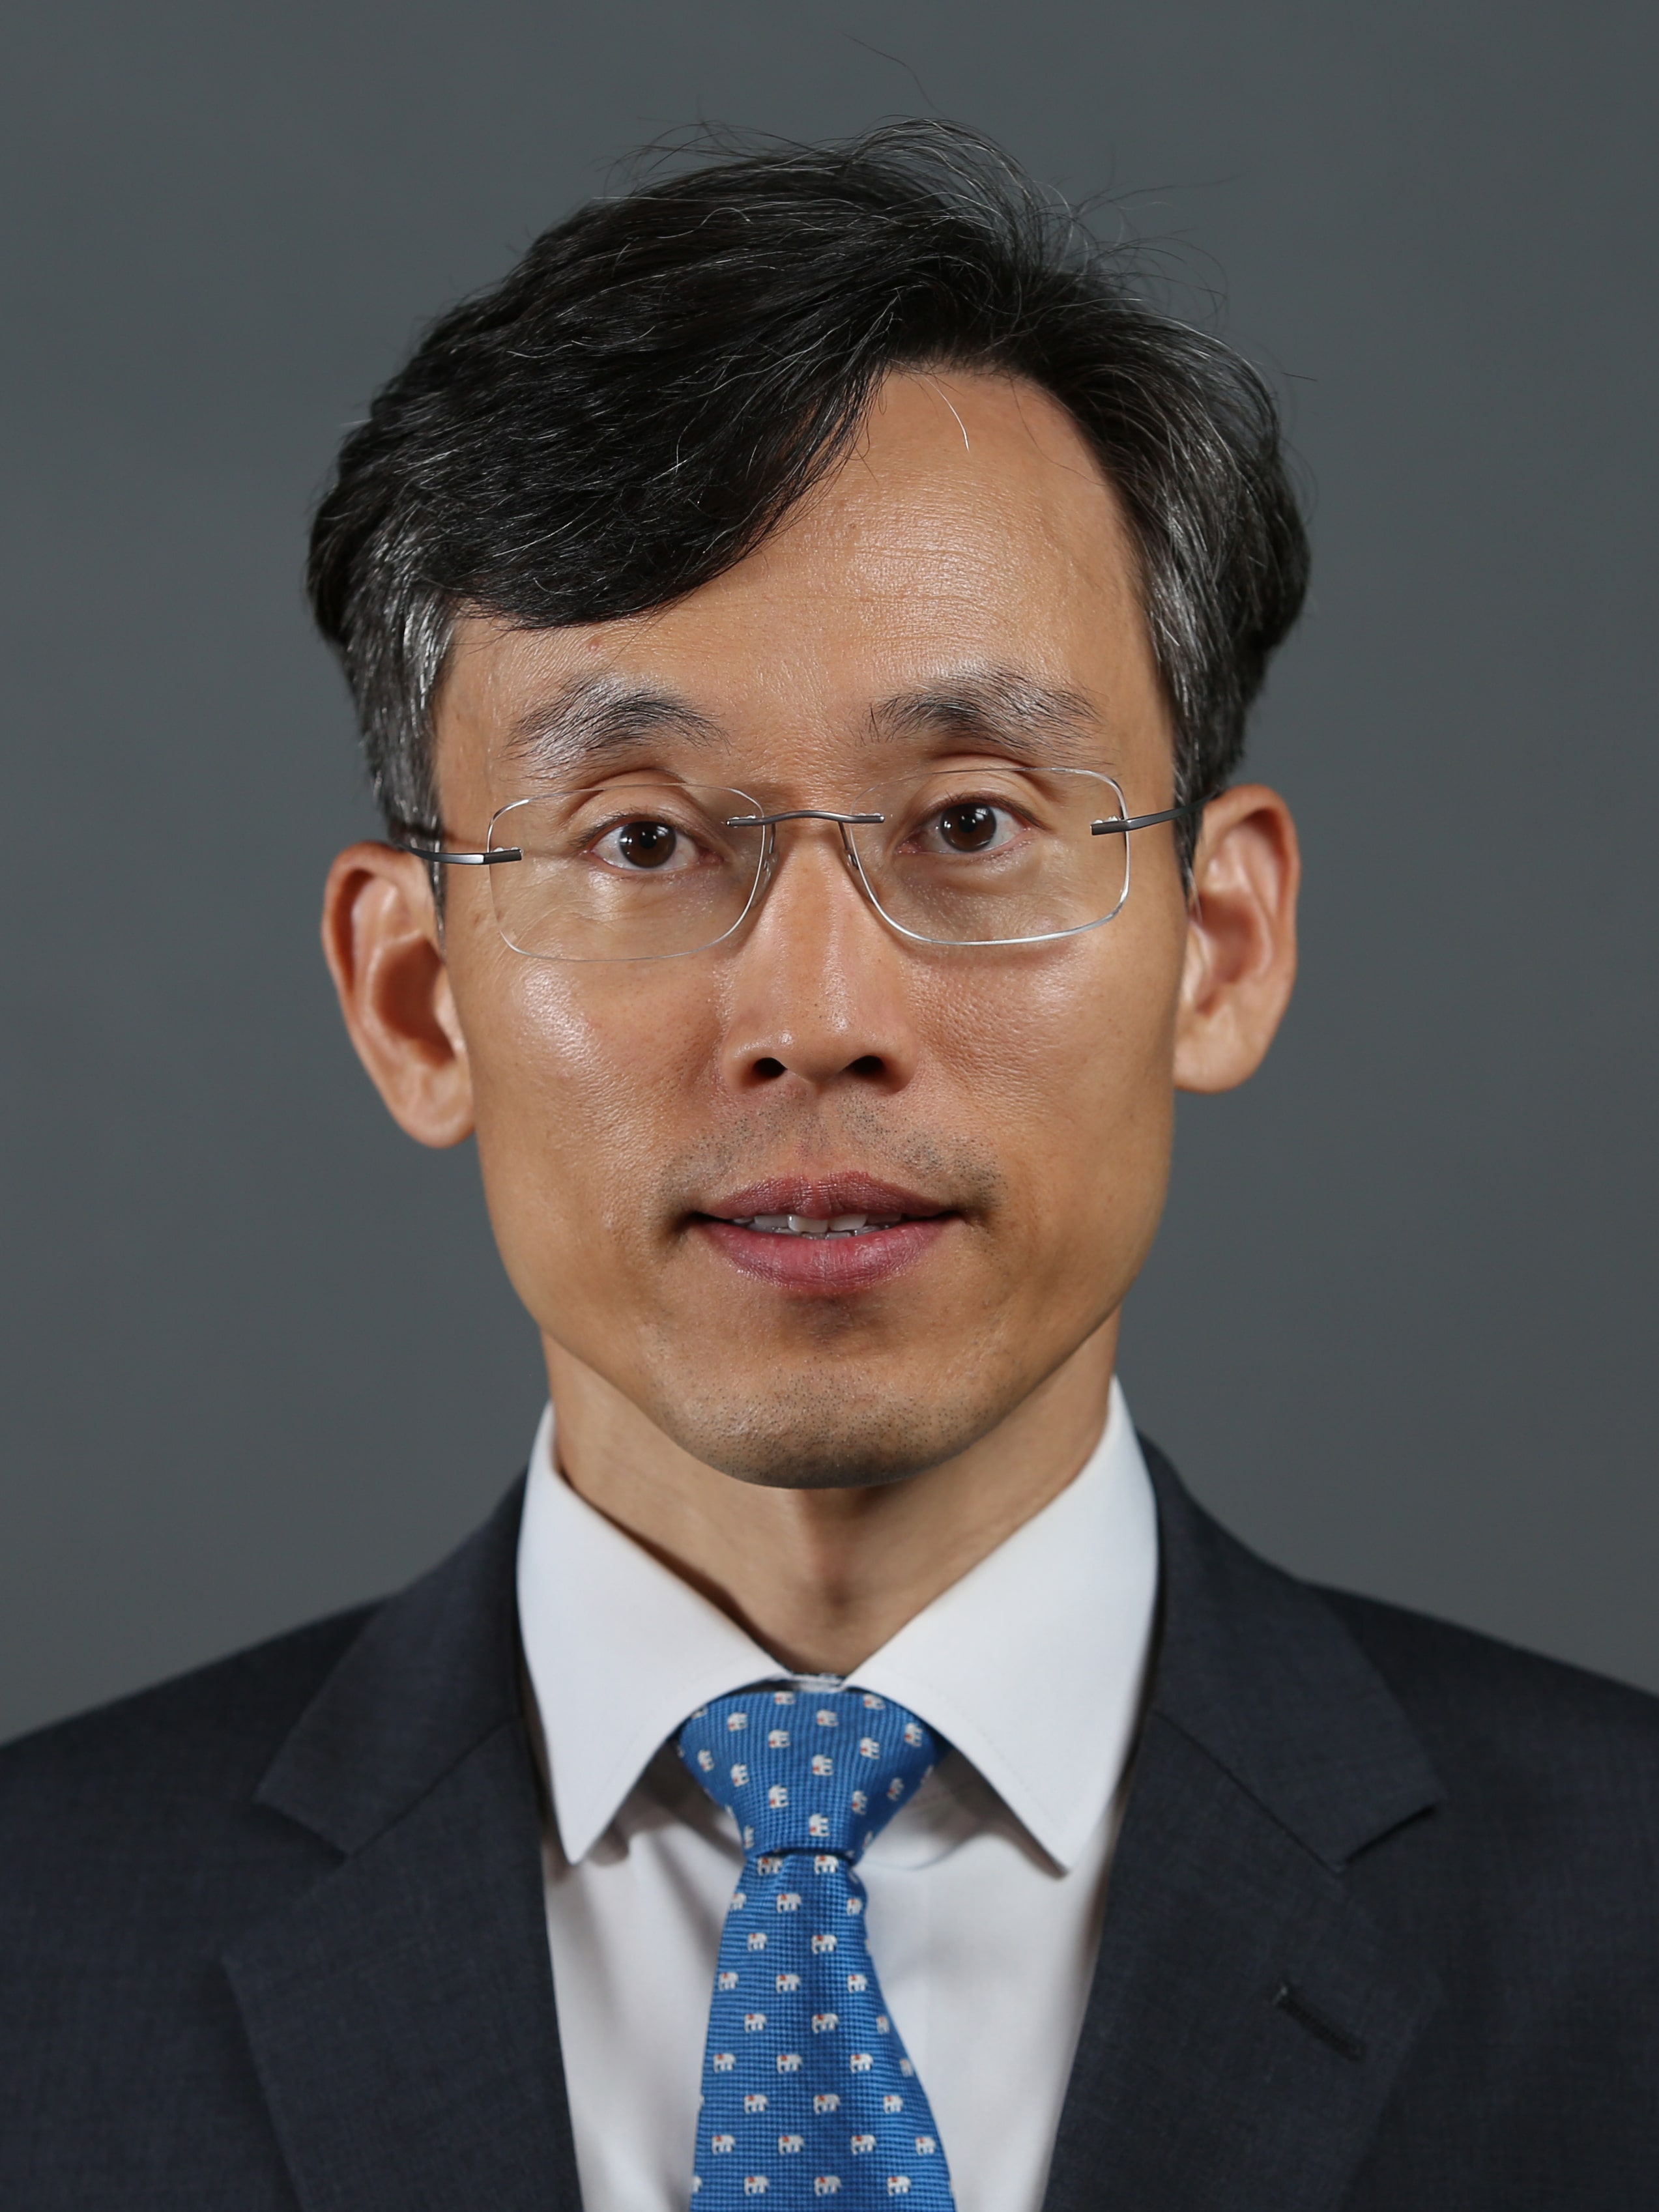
(258, 1358)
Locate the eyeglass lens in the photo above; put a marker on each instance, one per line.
(979, 856)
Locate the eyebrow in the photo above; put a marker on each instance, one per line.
(998, 705)
(592, 719)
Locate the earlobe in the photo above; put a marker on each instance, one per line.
(1240, 939)
(381, 941)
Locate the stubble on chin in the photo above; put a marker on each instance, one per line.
(810, 1427)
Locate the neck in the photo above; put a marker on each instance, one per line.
(821, 1578)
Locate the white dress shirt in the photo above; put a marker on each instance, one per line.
(985, 1893)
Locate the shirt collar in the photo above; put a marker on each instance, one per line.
(619, 1649)
(1032, 1665)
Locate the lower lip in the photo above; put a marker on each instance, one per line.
(827, 1265)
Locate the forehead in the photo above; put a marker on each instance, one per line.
(968, 563)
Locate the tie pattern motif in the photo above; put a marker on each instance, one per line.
(807, 2089)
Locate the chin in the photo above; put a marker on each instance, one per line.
(809, 1434)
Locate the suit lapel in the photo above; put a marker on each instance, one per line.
(401, 2011)
(1248, 2017)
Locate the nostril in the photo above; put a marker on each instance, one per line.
(769, 1069)
(871, 1064)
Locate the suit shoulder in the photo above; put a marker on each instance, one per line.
(212, 1731)
(1474, 1696)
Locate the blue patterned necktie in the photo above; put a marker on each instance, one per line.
(807, 2088)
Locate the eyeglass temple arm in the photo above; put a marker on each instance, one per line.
(1120, 825)
(449, 859)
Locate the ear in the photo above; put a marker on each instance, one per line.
(384, 947)
(1241, 939)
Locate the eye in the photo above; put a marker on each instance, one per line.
(642, 844)
(966, 827)
(970, 827)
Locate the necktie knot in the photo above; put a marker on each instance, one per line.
(808, 1770)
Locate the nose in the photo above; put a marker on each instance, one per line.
(817, 997)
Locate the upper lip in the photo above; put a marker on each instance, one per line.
(822, 1197)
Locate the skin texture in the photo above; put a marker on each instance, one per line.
(823, 1462)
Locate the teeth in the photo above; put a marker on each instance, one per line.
(807, 1224)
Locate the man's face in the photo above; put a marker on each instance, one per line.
(963, 590)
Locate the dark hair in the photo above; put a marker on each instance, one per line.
(633, 408)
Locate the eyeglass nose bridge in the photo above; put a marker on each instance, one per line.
(846, 824)
(796, 814)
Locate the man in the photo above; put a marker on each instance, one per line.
(803, 621)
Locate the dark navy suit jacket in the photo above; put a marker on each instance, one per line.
(1382, 1931)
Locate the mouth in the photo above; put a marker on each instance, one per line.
(808, 1225)
(831, 1234)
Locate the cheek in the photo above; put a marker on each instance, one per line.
(581, 1077)
(1063, 1063)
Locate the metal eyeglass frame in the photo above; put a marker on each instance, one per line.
(500, 856)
